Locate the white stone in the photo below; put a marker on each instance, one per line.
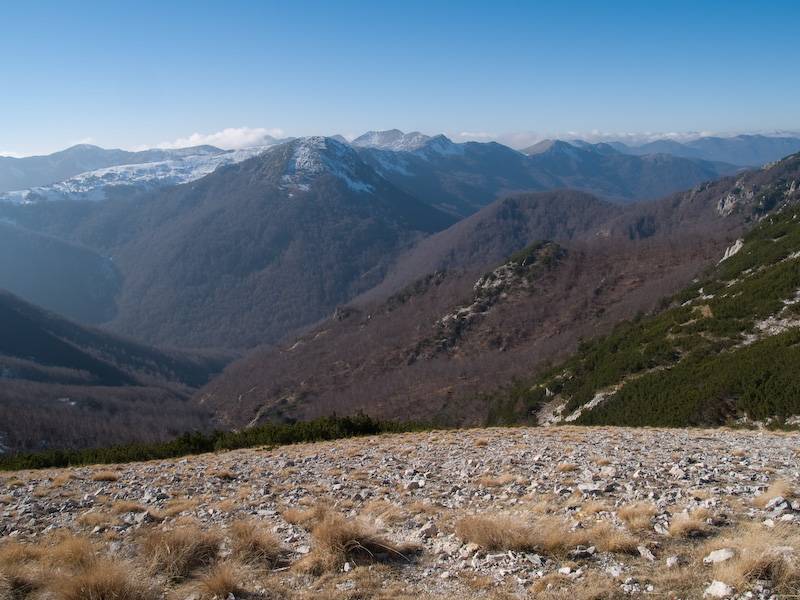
(608, 472)
(718, 589)
(645, 553)
(718, 556)
(614, 570)
(429, 529)
(674, 561)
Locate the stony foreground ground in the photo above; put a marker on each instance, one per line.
(564, 512)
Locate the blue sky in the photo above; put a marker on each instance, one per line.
(142, 74)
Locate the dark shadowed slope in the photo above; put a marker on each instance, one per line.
(62, 383)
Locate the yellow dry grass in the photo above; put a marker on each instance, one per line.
(692, 523)
(96, 518)
(253, 544)
(491, 481)
(176, 553)
(761, 553)
(174, 507)
(226, 474)
(216, 582)
(388, 512)
(608, 538)
(307, 518)
(105, 476)
(354, 540)
(126, 506)
(101, 579)
(550, 534)
(637, 515)
(782, 488)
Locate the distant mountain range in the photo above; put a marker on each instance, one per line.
(452, 272)
(743, 150)
(305, 225)
(461, 177)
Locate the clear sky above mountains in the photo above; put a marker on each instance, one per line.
(142, 74)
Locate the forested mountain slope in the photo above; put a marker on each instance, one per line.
(456, 343)
(724, 350)
(245, 255)
(66, 384)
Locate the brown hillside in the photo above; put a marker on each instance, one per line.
(404, 359)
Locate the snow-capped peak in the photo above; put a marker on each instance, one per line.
(553, 148)
(175, 167)
(439, 145)
(393, 139)
(312, 156)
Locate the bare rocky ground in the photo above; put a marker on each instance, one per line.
(561, 512)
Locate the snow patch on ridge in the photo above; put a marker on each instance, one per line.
(315, 155)
(394, 140)
(440, 145)
(92, 184)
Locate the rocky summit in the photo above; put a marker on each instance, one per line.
(563, 512)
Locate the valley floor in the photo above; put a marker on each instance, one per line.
(564, 512)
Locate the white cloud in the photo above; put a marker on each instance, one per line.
(227, 139)
(10, 154)
(467, 136)
(517, 140)
(86, 140)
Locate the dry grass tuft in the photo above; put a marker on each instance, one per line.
(566, 467)
(608, 538)
(685, 581)
(178, 552)
(593, 507)
(352, 540)
(307, 518)
(497, 532)
(225, 474)
(96, 518)
(19, 572)
(127, 506)
(388, 512)
(174, 507)
(781, 488)
(637, 515)
(690, 524)
(102, 579)
(70, 552)
(224, 506)
(500, 531)
(481, 443)
(62, 478)
(252, 544)
(105, 476)
(762, 554)
(219, 581)
(596, 586)
(548, 534)
(491, 481)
